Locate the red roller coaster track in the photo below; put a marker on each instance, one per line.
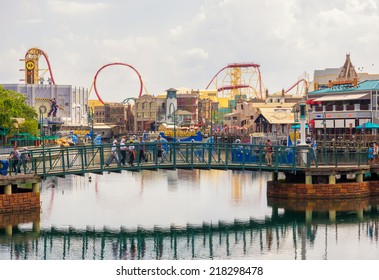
(30, 51)
(113, 64)
(298, 82)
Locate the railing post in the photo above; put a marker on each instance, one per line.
(101, 157)
(209, 154)
(227, 154)
(260, 156)
(192, 152)
(63, 161)
(174, 149)
(82, 149)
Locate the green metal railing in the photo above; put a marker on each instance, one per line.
(56, 161)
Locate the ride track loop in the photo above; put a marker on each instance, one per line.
(113, 64)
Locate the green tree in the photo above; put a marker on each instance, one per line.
(13, 105)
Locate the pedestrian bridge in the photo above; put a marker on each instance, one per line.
(78, 160)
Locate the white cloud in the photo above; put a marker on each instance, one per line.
(185, 43)
(195, 52)
(76, 8)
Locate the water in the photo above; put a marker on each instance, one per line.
(187, 214)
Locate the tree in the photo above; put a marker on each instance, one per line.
(13, 105)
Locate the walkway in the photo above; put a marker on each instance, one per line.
(92, 159)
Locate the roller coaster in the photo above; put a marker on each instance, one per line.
(239, 79)
(235, 79)
(116, 64)
(33, 73)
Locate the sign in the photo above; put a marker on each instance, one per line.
(29, 65)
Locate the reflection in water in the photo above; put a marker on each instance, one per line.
(253, 239)
(186, 215)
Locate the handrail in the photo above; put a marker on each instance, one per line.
(56, 161)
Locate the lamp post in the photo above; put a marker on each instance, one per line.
(42, 110)
(172, 115)
(91, 119)
(296, 121)
(324, 124)
(302, 123)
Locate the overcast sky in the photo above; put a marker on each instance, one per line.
(184, 43)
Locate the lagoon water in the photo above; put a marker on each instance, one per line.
(187, 214)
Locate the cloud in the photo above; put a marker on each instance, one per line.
(30, 21)
(195, 53)
(185, 43)
(76, 8)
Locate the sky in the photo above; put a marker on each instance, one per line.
(184, 43)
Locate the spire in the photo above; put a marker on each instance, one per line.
(348, 72)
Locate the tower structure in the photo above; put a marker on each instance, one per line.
(347, 72)
(33, 73)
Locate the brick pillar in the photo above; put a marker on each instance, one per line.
(8, 189)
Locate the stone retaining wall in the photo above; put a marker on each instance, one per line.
(19, 202)
(322, 191)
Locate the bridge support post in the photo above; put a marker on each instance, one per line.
(332, 179)
(36, 227)
(8, 189)
(275, 176)
(359, 177)
(9, 230)
(36, 187)
(308, 215)
(332, 215)
(308, 179)
(360, 214)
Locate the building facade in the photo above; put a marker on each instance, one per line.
(72, 101)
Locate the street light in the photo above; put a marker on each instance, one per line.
(42, 110)
(174, 139)
(213, 108)
(91, 119)
(296, 121)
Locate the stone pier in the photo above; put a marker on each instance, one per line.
(19, 193)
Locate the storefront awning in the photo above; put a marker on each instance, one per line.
(341, 97)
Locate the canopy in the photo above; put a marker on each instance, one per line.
(368, 125)
(342, 97)
(297, 126)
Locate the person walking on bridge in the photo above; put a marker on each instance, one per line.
(15, 159)
(123, 149)
(114, 155)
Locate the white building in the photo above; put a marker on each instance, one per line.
(72, 101)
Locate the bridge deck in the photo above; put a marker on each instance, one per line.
(93, 159)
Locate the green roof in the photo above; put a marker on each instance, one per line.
(369, 85)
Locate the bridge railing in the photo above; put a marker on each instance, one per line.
(97, 158)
